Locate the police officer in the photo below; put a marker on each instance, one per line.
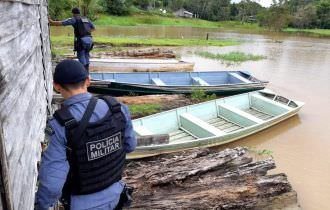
(83, 41)
(88, 140)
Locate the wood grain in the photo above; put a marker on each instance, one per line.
(205, 179)
(25, 94)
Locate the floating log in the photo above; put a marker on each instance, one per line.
(206, 179)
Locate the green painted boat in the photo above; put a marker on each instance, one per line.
(212, 123)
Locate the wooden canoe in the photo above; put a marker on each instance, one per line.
(218, 82)
(212, 123)
(139, 65)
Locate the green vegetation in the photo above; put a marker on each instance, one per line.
(144, 109)
(275, 18)
(150, 19)
(292, 13)
(132, 41)
(315, 32)
(261, 153)
(63, 44)
(232, 56)
(199, 95)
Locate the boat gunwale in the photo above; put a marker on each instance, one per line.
(273, 121)
(108, 82)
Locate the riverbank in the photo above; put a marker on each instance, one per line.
(62, 44)
(158, 20)
(309, 32)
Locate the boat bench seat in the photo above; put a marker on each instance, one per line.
(158, 82)
(237, 116)
(199, 81)
(237, 76)
(142, 131)
(198, 127)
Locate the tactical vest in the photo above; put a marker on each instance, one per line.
(95, 151)
(82, 27)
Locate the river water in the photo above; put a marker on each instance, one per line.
(297, 67)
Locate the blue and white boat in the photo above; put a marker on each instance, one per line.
(144, 83)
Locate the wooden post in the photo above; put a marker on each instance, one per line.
(207, 36)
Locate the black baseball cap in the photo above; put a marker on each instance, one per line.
(69, 72)
(76, 11)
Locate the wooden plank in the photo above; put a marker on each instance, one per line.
(198, 127)
(219, 123)
(232, 129)
(186, 138)
(237, 116)
(25, 93)
(183, 134)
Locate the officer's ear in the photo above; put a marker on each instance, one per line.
(57, 87)
(88, 81)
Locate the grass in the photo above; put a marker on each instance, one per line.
(63, 44)
(144, 109)
(315, 32)
(159, 20)
(232, 56)
(199, 95)
(132, 41)
(153, 19)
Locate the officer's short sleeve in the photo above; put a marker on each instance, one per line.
(130, 139)
(91, 25)
(69, 22)
(54, 166)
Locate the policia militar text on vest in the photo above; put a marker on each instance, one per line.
(95, 151)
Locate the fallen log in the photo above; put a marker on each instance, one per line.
(206, 179)
(152, 53)
(139, 53)
(147, 99)
(150, 99)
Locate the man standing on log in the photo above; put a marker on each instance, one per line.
(83, 42)
(88, 141)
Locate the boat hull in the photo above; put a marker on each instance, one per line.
(217, 82)
(194, 122)
(118, 89)
(206, 143)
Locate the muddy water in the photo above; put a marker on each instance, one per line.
(297, 67)
(300, 69)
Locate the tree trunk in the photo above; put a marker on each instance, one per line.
(205, 179)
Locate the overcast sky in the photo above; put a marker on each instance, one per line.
(265, 3)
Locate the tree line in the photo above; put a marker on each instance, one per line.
(282, 13)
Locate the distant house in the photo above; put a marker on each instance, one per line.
(183, 13)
